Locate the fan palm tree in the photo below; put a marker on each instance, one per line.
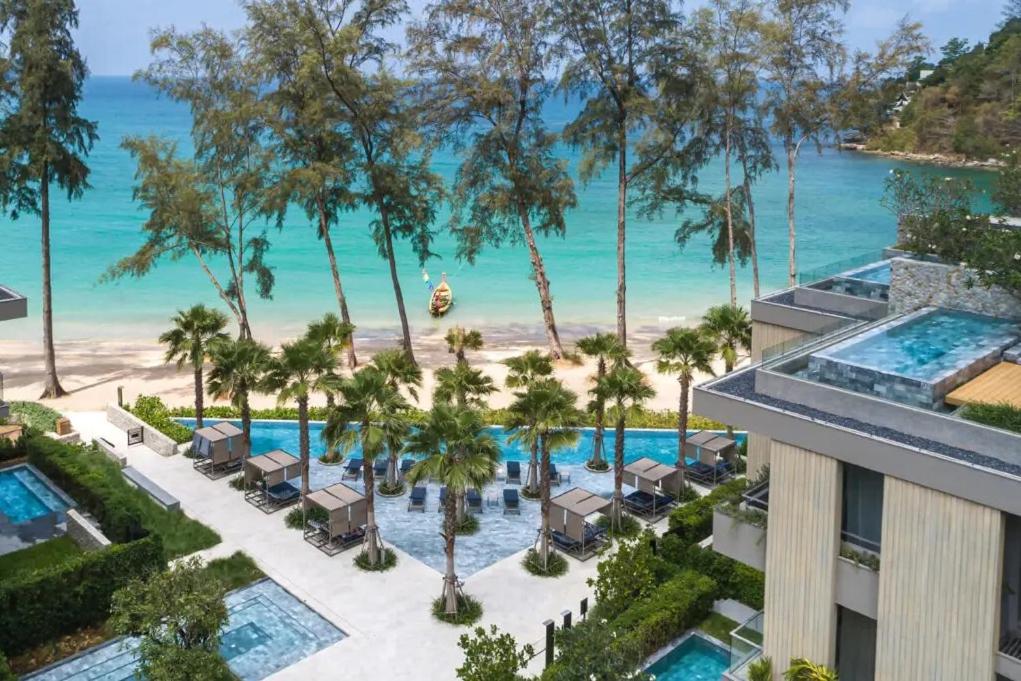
(239, 367)
(523, 371)
(731, 331)
(372, 415)
(606, 349)
(336, 335)
(302, 368)
(462, 385)
(625, 387)
(805, 670)
(400, 371)
(460, 339)
(545, 417)
(682, 352)
(458, 451)
(196, 330)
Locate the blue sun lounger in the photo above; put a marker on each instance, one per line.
(379, 466)
(352, 469)
(417, 500)
(406, 465)
(511, 502)
(443, 499)
(474, 501)
(513, 472)
(283, 493)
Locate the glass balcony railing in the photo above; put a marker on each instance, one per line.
(745, 647)
(757, 496)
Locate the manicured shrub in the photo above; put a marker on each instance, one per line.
(671, 609)
(469, 611)
(77, 593)
(556, 565)
(491, 656)
(5, 671)
(35, 415)
(151, 409)
(693, 521)
(733, 579)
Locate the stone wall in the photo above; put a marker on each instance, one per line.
(152, 438)
(916, 284)
(84, 533)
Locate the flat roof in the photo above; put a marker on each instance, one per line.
(998, 385)
(273, 461)
(650, 469)
(580, 502)
(335, 497)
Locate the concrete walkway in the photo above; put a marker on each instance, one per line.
(391, 631)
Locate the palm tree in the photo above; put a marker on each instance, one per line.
(606, 348)
(682, 352)
(626, 388)
(459, 452)
(462, 385)
(196, 330)
(545, 417)
(302, 367)
(524, 370)
(805, 670)
(336, 335)
(731, 330)
(460, 339)
(372, 415)
(239, 367)
(400, 371)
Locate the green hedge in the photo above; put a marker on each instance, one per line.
(733, 579)
(5, 671)
(643, 418)
(674, 607)
(36, 415)
(151, 409)
(57, 601)
(124, 513)
(693, 522)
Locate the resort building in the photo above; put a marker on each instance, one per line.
(887, 519)
(13, 305)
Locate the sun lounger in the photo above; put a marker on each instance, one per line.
(474, 501)
(417, 500)
(646, 504)
(318, 534)
(554, 475)
(352, 469)
(513, 472)
(443, 499)
(406, 465)
(379, 466)
(708, 475)
(565, 543)
(511, 502)
(283, 493)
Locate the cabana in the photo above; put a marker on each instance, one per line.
(656, 487)
(218, 449)
(266, 480)
(572, 533)
(346, 515)
(709, 457)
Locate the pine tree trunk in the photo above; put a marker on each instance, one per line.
(200, 406)
(618, 473)
(449, 539)
(792, 271)
(52, 387)
(597, 437)
(532, 480)
(622, 185)
(371, 531)
(303, 445)
(754, 247)
(682, 423)
(542, 285)
(398, 294)
(338, 288)
(728, 209)
(544, 506)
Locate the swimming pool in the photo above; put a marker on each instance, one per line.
(918, 358)
(267, 630)
(26, 494)
(876, 273)
(499, 535)
(695, 659)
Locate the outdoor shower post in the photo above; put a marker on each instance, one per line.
(550, 627)
(566, 614)
(583, 609)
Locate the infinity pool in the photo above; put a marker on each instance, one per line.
(26, 495)
(878, 273)
(267, 630)
(695, 659)
(499, 535)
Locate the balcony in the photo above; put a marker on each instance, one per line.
(13, 305)
(745, 648)
(1008, 659)
(739, 527)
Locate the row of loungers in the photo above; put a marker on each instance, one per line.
(511, 502)
(353, 468)
(514, 474)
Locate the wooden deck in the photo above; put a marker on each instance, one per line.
(999, 385)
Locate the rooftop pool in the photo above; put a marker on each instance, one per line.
(917, 358)
(499, 535)
(695, 659)
(267, 630)
(876, 273)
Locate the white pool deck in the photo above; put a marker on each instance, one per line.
(390, 630)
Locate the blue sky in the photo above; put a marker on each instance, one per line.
(114, 34)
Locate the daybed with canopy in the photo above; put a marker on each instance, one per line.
(266, 480)
(218, 449)
(572, 533)
(346, 514)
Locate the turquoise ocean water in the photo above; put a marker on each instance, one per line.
(839, 217)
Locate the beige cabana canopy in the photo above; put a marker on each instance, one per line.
(706, 445)
(345, 506)
(220, 443)
(272, 468)
(569, 510)
(651, 476)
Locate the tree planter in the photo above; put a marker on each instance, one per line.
(598, 470)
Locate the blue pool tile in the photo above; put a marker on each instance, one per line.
(694, 659)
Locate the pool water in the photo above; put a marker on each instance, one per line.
(499, 535)
(267, 630)
(25, 496)
(929, 345)
(695, 659)
(879, 273)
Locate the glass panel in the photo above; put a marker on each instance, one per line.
(862, 517)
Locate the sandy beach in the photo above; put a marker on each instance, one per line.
(92, 370)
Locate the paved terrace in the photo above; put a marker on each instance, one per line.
(386, 616)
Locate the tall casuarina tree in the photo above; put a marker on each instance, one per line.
(487, 66)
(43, 140)
(194, 334)
(629, 61)
(344, 48)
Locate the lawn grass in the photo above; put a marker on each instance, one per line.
(41, 555)
(235, 571)
(181, 535)
(718, 626)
